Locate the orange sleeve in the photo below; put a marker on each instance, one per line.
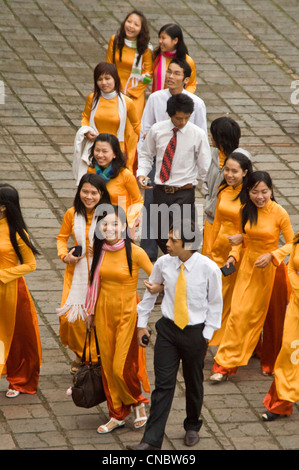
(87, 111)
(192, 82)
(136, 199)
(288, 235)
(20, 270)
(109, 55)
(65, 233)
(133, 116)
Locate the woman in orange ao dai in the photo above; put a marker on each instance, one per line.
(20, 346)
(237, 169)
(107, 160)
(263, 220)
(129, 50)
(109, 110)
(284, 390)
(112, 305)
(79, 223)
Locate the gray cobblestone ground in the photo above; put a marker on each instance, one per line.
(247, 59)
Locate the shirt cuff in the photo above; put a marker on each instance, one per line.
(208, 332)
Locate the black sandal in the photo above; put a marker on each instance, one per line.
(269, 416)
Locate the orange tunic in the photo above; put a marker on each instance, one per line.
(71, 334)
(284, 390)
(116, 319)
(253, 287)
(107, 121)
(124, 68)
(227, 222)
(20, 347)
(208, 227)
(124, 191)
(192, 81)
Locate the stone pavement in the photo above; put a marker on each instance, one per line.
(247, 62)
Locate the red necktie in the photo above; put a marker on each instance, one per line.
(168, 157)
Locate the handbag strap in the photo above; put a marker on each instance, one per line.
(88, 335)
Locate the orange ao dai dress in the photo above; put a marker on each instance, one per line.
(136, 91)
(227, 222)
(253, 287)
(124, 191)
(72, 334)
(123, 361)
(284, 390)
(107, 120)
(20, 346)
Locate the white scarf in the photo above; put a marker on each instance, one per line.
(136, 71)
(81, 152)
(122, 111)
(74, 307)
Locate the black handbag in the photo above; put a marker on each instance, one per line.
(87, 389)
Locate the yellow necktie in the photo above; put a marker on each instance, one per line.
(181, 317)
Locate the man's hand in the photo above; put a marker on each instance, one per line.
(141, 332)
(143, 182)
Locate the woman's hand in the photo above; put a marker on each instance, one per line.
(154, 288)
(235, 239)
(91, 136)
(230, 260)
(70, 259)
(263, 260)
(89, 322)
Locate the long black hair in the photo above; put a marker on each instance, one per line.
(245, 164)
(9, 197)
(250, 211)
(174, 31)
(99, 241)
(143, 37)
(119, 161)
(226, 134)
(99, 184)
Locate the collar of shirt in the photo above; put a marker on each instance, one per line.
(188, 263)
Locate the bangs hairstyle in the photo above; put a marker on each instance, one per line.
(99, 184)
(250, 211)
(143, 37)
(98, 242)
(9, 197)
(174, 31)
(180, 102)
(119, 161)
(183, 65)
(226, 134)
(245, 164)
(104, 68)
(187, 231)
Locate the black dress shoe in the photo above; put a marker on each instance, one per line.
(191, 438)
(142, 446)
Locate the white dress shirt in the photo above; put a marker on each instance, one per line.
(192, 157)
(155, 111)
(204, 291)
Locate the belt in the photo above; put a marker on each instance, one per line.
(173, 189)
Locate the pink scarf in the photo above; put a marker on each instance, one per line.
(93, 289)
(161, 69)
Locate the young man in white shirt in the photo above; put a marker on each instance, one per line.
(191, 158)
(177, 78)
(174, 343)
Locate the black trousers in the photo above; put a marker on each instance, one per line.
(172, 345)
(183, 198)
